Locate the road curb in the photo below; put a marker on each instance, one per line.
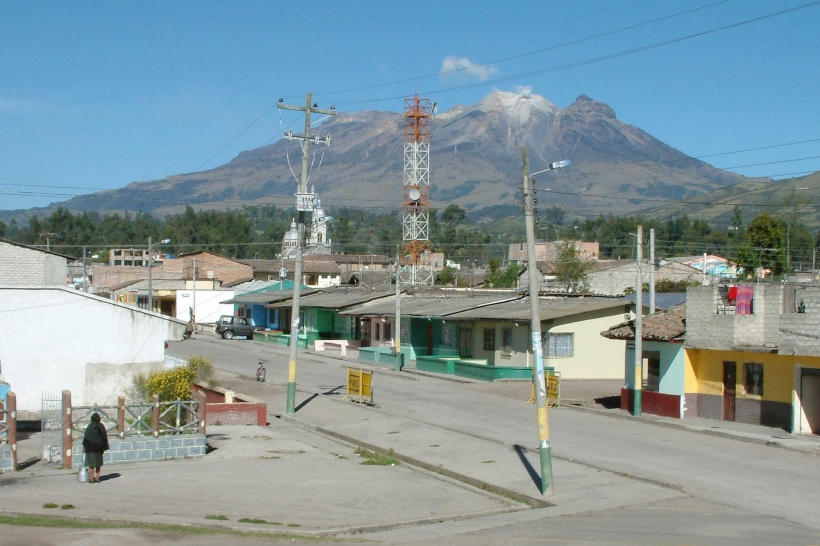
(739, 436)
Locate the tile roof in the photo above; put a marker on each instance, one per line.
(669, 325)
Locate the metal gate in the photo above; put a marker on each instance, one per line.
(51, 428)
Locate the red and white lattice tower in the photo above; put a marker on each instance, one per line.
(415, 267)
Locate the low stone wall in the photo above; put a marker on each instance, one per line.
(139, 449)
(226, 407)
(6, 460)
(473, 370)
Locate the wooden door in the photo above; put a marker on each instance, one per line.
(810, 402)
(465, 343)
(729, 390)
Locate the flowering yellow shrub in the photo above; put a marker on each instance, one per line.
(174, 383)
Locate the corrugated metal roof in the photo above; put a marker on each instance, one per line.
(266, 297)
(425, 306)
(519, 310)
(663, 300)
(339, 298)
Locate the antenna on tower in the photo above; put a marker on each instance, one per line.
(415, 266)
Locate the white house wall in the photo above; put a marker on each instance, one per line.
(594, 357)
(60, 339)
(208, 306)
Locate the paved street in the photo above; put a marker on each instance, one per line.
(618, 480)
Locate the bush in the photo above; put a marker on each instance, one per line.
(174, 383)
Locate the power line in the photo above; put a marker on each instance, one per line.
(518, 56)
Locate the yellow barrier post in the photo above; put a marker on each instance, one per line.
(554, 389)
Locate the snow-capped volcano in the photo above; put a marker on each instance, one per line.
(475, 162)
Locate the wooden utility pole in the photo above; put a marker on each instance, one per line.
(305, 202)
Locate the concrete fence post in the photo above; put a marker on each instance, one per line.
(155, 416)
(203, 411)
(11, 423)
(121, 417)
(68, 430)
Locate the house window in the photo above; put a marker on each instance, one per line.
(753, 378)
(387, 331)
(489, 339)
(506, 342)
(558, 345)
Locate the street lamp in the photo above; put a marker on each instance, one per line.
(535, 324)
(150, 265)
(283, 273)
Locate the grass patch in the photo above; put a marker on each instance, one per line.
(270, 457)
(67, 507)
(257, 520)
(51, 505)
(294, 525)
(393, 432)
(436, 445)
(219, 517)
(488, 461)
(378, 459)
(27, 520)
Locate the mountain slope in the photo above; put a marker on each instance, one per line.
(475, 161)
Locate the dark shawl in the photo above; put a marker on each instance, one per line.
(95, 439)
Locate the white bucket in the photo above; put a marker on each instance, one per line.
(82, 475)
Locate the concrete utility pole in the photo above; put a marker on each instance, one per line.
(636, 405)
(397, 333)
(193, 312)
(305, 202)
(544, 449)
(150, 288)
(85, 271)
(651, 271)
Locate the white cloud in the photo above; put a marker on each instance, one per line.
(524, 90)
(12, 105)
(462, 67)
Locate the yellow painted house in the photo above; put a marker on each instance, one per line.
(755, 359)
(749, 353)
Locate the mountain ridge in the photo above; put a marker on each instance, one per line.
(475, 162)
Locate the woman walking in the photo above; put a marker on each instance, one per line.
(95, 443)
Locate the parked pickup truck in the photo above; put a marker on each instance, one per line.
(229, 326)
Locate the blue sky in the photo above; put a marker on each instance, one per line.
(98, 94)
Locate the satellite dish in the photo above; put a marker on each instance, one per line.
(414, 194)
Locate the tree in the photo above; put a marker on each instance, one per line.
(765, 237)
(502, 278)
(3, 228)
(571, 268)
(447, 276)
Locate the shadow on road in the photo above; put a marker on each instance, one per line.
(536, 478)
(305, 403)
(609, 402)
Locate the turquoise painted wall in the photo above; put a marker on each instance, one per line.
(672, 358)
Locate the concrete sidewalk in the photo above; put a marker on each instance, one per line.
(301, 475)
